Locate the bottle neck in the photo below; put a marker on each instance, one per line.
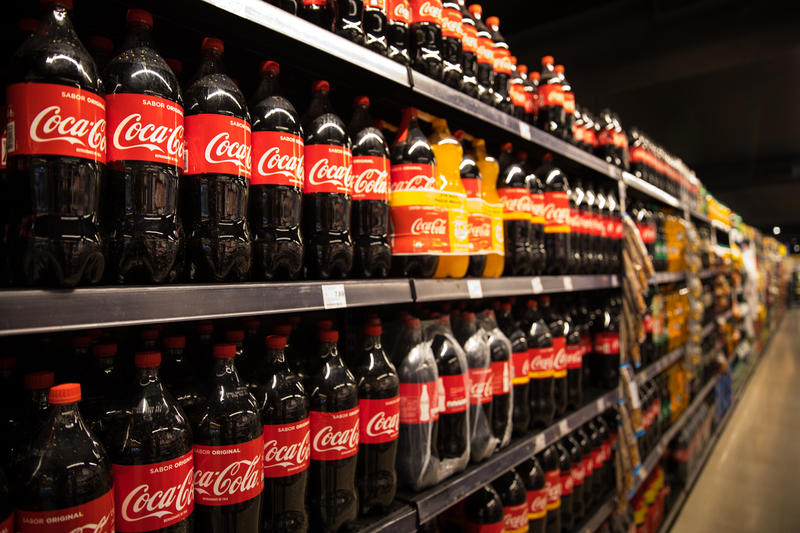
(276, 357)
(320, 104)
(269, 86)
(361, 120)
(139, 36)
(65, 416)
(37, 401)
(225, 374)
(55, 20)
(372, 343)
(103, 363)
(212, 64)
(328, 351)
(148, 375)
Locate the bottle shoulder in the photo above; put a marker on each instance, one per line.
(140, 70)
(216, 94)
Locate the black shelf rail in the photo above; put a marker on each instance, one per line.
(593, 522)
(669, 277)
(649, 189)
(659, 366)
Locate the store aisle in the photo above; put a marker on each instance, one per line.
(752, 478)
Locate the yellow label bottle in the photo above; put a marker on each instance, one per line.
(495, 261)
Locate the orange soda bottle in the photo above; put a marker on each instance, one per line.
(495, 260)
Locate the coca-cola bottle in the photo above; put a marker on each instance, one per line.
(574, 362)
(292, 6)
(287, 441)
(558, 329)
(35, 413)
(569, 520)
(516, 89)
(333, 394)
(536, 240)
(379, 424)
(101, 48)
(145, 159)
(582, 435)
(603, 463)
(374, 24)
(533, 477)
(511, 489)
(531, 96)
(501, 65)
(214, 185)
(585, 239)
(370, 208)
(179, 375)
(425, 37)
(569, 104)
(398, 20)
(479, 220)
(615, 230)
(515, 195)
(557, 242)
(540, 351)
(549, 459)
(151, 451)
(277, 181)
(326, 191)
(576, 257)
(101, 400)
(596, 443)
(565, 478)
(597, 241)
(56, 148)
(500, 350)
(469, 52)
(520, 364)
(319, 12)
(485, 59)
(452, 44)
(65, 477)
(348, 21)
(228, 452)
(483, 510)
(550, 94)
(605, 355)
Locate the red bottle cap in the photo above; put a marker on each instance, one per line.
(212, 43)
(458, 134)
(374, 321)
(8, 362)
(224, 351)
(176, 342)
(234, 335)
(513, 60)
(251, 323)
(147, 360)
(271, 66)
(64, 393)
(531, 304)
(139, 15)
(536, 76)
(324, 323)
(412, 322)
(493, 21)
(506, 147)
(547, 60)
(283, 329)
(106, 349)
(204, 328)
(361, 101)
(522, 69)
(444, 319)
(373, 331)
(276, 342)
(468, 316)
(81, 341)
(99, 42)
(321, 85)
(475, 9)
(66, 3)
(38, 380)
(559, 69)
(175, 64)
(522, 155)
(30, 25)
(505, 306)
(149, 334)
(329, 335)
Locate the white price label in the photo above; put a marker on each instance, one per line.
(601, 405)
(614, 281)
(524, 130)
(333, 296)
(536, 285)
(568, 283)
(474, 288)
(563, 427)
(539, 442)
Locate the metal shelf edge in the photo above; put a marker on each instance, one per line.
(431, 290)
(591, 524)
(649, 189)
(659, 366)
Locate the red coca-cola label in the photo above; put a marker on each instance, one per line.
(328, 168)
(574, 359)
(521, 365)
(606, 343)
(480, 385)
(144, 128)
(537, 504)
(217, 144)
(588, 464)
(315, 2)
(379, 420)
(370, 178)
(469, 39)
(480, 233)
(648, 232)
(541, 362)
(96, 516)
(550, 95)
(556, 212)
(552, 489)
(605, 138)
(224, 475)
(455, 393)
(616, 228)
(473, 187)
(607, 448)
(153, 496)
(277, 159)
(597, 458)
(501, 61)
(485, 51)
(418, 402)
(566, 483)
(376, 4)
(419, 230)
(537, 208)
(451, 23)
(569, 103)
(287, 448)
(517, 204)
(426, 11)
(497, 527)
(398, 11)
(50, 119)
(515, 518)
(559, 357)
(7, 525)
(578, 473)
(501, 377)
(334, 436)
(518, 96)
(413, 177)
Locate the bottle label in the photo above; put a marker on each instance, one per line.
(616, 228)
(469, 527)
(566, 483)
(517, 203)
(451, 23)
(480, 385)
(334, 436)
(537, 504)
(379, 420)
(537, 208)
(455, 393)
(550, 95)
(515, 518)
(277, 159)
(588, 464)
(370, 178)
(517, 93)
(574, 221)
(217, 144)
(473, 187)
(541, 365)
(426, 11)
(648, 232)
(501, 378)
(96, 516)
(556, 212)
(7, 525)
(559, 357)
(328, 168)
(589, 137)
(638, 155)
(224, 475)
(501, 61)
(315, 2)
(522, 367)
(574, 360)
(578, 473)
(607, 449)
(398, 11)
(577, 132)
(287, 448)
(153, 496)
(144, 128)
(569, 103)
(606, 343)
(485, 50)
(419, 402)
(597, 458)
(553, 489)
(469, 42)
(605, 138)
(376, 4)
(51, 119)
(420, 222)
(531, 103)
(498, 237)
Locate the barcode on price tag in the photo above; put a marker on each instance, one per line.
(474, 288)
(524, 131)
(333, 296)
(536, 285)
(567, 283)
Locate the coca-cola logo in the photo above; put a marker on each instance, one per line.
(436, 226)
(401, 12)
(140, 503)
(556, 215)
(451, 22)
(483, 230)
(578, 473)
(430, 10)
(221, 149)
(515, 519)
(238, 476)
(560, 359)
(553, 491)
(272, 161)
(383, 424)
(537, 503)
(517, 204)
(568, 484)
(470, 39)
(415, 183)
(537, 208)
(49, 125)
(328, 439)
(324, 172)
(131, 132)
(542, 360)
(480, 389)
(371, 181)
(287, 455)
(104, 524)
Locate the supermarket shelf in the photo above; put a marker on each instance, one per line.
(705, 274)
(596, 519)
(720, 226)
(34, 311)
(651, 190)
(700, 216)
(659, 366)
(401, 519)
(708, 329)
(724, 317)
(433, 501)
(669, 277)
(431, 290)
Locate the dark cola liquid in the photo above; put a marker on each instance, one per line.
(53, 202)
(502, 410)
(425, 48)
(549, 459)
(521, 414)
(542, 391)
(585, 442)
(469, 56)
(565, 467)
(348, 23)
(574, 375)
(398, 15)
(452, 73)
(533, 477)
(483, 508)
(469, 171)
(374, 23)
(453, 434)
(536, 236)
(576, 461)
(516, 233)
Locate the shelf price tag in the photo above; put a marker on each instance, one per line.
(601, 405)
(524, 130)
(568, 283)
(539, 442)
(536, 285)
(474, 288)
(563, 427)
(333, 296)
(614, 280)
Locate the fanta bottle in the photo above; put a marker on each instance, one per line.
(495, 260)
(453, 196)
